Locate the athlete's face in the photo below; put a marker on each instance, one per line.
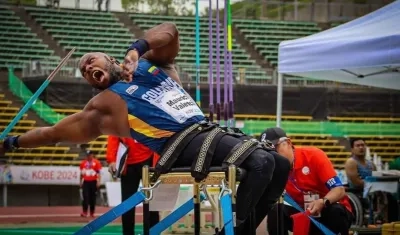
(100, 70)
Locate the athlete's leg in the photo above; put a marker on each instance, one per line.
(92, 196)
(85, 197)
(273, 191)
(259, 166)
(129, 185)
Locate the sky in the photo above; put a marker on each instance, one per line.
(116, 4)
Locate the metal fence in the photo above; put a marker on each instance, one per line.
(300, 10)
(241, 75)
(295, 10)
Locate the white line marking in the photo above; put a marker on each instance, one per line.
(26, 231)
(48, 215)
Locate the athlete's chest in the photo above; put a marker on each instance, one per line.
(153, 91)
(164, 97)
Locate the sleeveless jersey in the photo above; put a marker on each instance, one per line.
(158, 107)
(363, 171)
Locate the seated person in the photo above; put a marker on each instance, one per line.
(313, 184)
(357, 167)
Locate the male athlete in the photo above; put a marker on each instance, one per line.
(143, 99)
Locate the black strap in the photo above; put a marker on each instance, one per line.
(201, 164)
(176, 145)
(240, 152)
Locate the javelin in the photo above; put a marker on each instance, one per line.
(36, 95)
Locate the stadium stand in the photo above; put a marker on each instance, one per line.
(272, 117)
(336, 152)
(18, 44)
(87, 30)
(365, 119)
(48, 155)
(265, 36)
(186, 58)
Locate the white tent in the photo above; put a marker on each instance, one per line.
(365, 51)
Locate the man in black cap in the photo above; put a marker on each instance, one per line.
(313, 185)
(90, 182)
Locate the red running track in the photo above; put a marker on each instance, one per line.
(64, 214)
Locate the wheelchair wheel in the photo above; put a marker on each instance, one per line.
(358, 211)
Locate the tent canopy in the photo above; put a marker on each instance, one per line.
(365, 51)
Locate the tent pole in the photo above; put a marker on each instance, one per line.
(279, 100)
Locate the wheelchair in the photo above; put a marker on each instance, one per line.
(361, 208)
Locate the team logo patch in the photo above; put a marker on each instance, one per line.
(154, 70)
(131, 89)
(263, 137)
(305, 170)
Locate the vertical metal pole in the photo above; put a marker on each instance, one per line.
(226, 67)
(232, 186)
(281, 218)
(146, 205)
(230, 68)
(198, 99)
(196, 201)
(218, 65)
(5, 194)
(279, 100)
(210, 62)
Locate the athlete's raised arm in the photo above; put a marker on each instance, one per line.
(160, 45)
(99, 117)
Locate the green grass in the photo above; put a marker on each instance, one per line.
(108, 230)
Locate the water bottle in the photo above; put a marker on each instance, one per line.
(386, 166)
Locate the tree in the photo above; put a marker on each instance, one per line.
(24, 2)
(131, 5)
(169, 7)
(162, 7)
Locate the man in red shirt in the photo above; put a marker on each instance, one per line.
(138, 156)
(313, 184)
(90, 182)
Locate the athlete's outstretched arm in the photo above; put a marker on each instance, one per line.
(77, 128)
(95, 119)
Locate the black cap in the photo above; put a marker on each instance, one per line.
(89, 152)
(273, 135)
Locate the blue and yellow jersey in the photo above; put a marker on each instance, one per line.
(158, 107)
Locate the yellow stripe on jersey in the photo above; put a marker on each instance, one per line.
(145, 129)
(151, 69)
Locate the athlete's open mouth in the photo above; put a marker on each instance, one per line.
(98, 75)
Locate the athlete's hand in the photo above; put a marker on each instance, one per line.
(130, 64)
(316, 206)
(112, 168)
